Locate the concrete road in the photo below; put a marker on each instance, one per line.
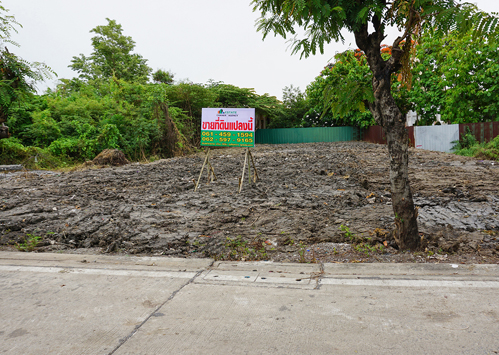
(89, 304)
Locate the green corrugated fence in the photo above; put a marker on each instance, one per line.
(306, 135)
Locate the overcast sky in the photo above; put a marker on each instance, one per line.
(197, 40)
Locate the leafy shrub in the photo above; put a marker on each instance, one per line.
(66, 146)
(467, 141)
(44, 129)
(12, 151)
(469, 146)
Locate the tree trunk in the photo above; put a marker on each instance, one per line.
(388, 115)
(406, 234)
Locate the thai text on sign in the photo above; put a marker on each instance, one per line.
(228, 127)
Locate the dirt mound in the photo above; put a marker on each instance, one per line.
(328, 202)
(113, 157)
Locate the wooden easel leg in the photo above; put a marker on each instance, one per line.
(244, 168)
(201, 173)
(213, 176)
(249, 167)
(256, 177)
(208, 172)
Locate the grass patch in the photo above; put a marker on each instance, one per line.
(239, 249)
(470, 147)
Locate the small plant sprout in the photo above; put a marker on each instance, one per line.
(29, 243)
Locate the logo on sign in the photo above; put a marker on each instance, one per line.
(222, 112)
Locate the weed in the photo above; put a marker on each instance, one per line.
(289, 242)
(29, 244)
(364, 245)
(367, 248)
(348, 234)
(239, 249)
(198, 244)
(301, 252)
(467, 141)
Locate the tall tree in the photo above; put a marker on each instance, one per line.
(457, 77)
(323, 21)
(17, 76)
(295, 107)
(112, 56)
(340, 95)
(164, 77)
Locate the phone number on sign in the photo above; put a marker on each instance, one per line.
(222, 139)
(227, 134)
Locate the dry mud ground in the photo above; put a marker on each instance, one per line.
(326, 202)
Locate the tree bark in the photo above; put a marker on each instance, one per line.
(406, 234)
(388, 115)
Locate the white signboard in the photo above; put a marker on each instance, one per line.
(229, 127)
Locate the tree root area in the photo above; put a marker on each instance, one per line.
(317, 202)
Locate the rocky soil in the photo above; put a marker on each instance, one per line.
(319, 202)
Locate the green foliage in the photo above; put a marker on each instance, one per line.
(362, 244)
(467, 141)
(191, 98)
(66, 146)
(340, 95)
(301, 252)
(323, 21)
(12, 151)
(8, 24)
(469, 146)
(294, 108)
(367, 249)
(81, 118)
(161, 76)
(78, 125)
(456, 76)
(29, 244)
(17, 76)
(112, 57)
(44, 129)
(239, 249)
(349, 235)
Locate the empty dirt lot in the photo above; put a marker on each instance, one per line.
(313, 202)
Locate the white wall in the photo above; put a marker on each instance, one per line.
(437, 138)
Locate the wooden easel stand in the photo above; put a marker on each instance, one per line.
(247, 157)
(211, 171)
(248, 160)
